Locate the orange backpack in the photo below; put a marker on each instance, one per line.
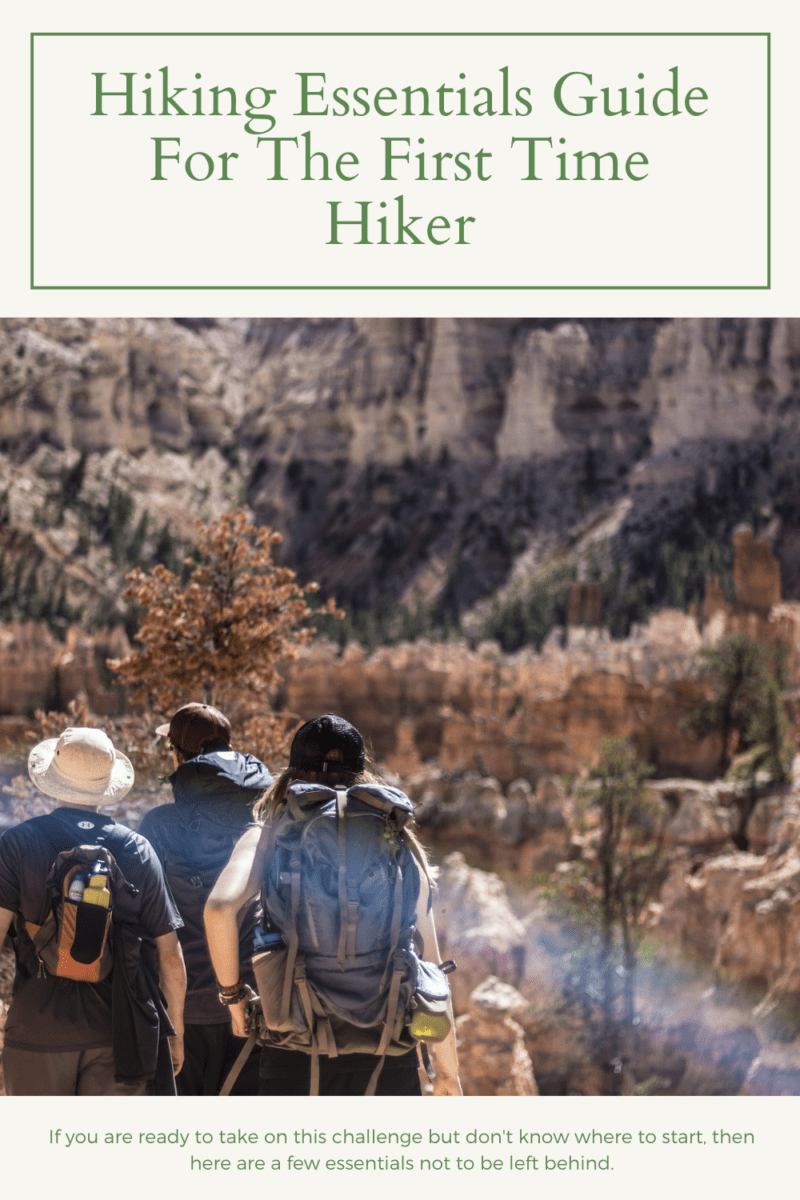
(74, 940)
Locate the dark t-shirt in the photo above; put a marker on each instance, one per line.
(48, 1013)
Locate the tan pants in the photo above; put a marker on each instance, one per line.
(64, 1073)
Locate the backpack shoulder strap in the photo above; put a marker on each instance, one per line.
(114, 840)
(62, 836)
(419, 856)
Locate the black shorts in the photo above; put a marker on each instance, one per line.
(209, 1053)
(288, 1073)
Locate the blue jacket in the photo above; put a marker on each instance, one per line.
(214, 797)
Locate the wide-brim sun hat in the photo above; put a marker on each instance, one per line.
(81, 766)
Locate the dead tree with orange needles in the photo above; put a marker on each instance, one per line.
(219, 634)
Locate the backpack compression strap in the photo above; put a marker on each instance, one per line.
(348, 889)
(392, 1015)
(322, 1039)
(236, 1069)
(291, 957)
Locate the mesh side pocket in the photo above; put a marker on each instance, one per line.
(82, 943)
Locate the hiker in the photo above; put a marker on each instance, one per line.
(349, 920)
(214, 791)
(86, 1015)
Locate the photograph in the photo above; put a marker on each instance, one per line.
(400, 706)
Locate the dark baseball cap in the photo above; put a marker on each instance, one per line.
(313, 743)
(194, 725)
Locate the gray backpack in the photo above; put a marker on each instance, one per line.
(342, 886)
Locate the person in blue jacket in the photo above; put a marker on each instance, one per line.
(214, 789)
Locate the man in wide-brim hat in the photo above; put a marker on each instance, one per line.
(59, 1033)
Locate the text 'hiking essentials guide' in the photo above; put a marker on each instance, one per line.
(365, 160)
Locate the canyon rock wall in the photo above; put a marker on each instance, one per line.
(530, 713)
(510, 717)
(411, 458)
(39, 671)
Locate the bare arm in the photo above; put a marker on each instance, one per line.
(172, 978)
(238, 883)
(6, 917)
(443, 1054)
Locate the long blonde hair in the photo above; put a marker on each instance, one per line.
(274, 799)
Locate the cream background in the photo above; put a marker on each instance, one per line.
(29, 1162)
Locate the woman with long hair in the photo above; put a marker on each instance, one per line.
(329, 752)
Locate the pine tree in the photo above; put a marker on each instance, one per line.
(745, 701)
(617, 880)
(767, 731)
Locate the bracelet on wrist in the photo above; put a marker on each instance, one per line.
(227, 988)
(226, 991)
(235, 994)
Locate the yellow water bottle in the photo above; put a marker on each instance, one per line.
(97, 890)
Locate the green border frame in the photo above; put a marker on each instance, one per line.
(439, 287)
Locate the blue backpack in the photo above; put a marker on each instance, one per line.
(342, 886)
